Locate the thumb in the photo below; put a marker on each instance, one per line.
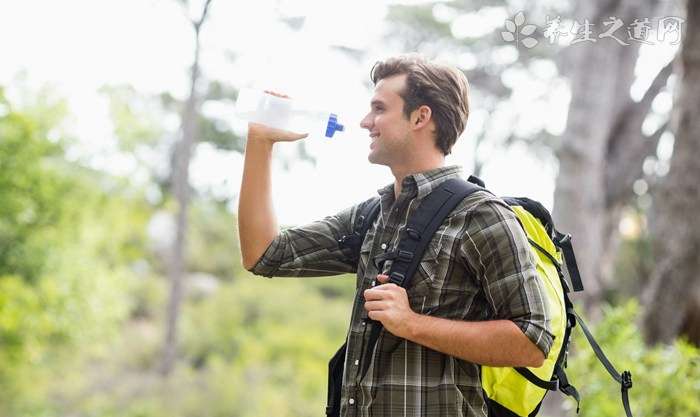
(383, 278)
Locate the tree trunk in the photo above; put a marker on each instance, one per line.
(676, 229)
(181, 190)
(599, 94)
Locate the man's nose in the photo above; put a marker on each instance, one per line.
(365, 123)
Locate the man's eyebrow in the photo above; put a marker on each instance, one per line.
(377, 103)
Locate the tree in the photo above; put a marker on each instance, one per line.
(602, 150)
(673, 293)
(181, 191)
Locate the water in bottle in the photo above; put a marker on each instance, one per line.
(286, 114)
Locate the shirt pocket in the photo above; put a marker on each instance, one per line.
(433, 292)
(427, 276)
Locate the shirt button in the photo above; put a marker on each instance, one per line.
(352, 401)
(357, 361)
(383, 245)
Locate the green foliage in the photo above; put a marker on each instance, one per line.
(137, 120)
(213, 241)
(24, 329)
(66, 246)
(666, 379)
(254, 347)
(31, 193)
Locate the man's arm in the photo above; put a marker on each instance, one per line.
(257, 223)
(308, 250)
(491, 343)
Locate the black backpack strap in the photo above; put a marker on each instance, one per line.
(363, 221)
(476, 180)
(551, 385)
(624, 379)
(567, 388)
(335, 382)
(563, 241)
(418, 233)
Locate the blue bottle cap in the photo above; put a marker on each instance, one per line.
(333, 126)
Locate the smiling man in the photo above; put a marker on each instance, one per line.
(475, 299)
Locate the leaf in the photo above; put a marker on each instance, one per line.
(529, 42)
(528, 30)
(519, 18)
(510, 26)
(507, 36)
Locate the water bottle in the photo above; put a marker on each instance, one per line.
(286, 114)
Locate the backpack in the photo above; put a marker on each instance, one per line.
(508, 392)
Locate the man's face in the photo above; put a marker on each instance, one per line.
(388, 128)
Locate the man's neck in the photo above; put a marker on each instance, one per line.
(403, 172)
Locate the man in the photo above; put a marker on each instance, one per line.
(475, 299)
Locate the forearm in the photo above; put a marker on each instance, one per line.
(492, 343)
(257, 223)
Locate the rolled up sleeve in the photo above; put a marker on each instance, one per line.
(497, 249)
(310, 250)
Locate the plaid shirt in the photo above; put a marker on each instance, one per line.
(478, 266)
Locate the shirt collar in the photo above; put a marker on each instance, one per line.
(425, 181)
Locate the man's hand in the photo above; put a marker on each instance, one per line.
(271, 135)
(388, 303)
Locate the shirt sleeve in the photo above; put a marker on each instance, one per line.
(496, 248)
(310, 250)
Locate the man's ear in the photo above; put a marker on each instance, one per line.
(421, 116)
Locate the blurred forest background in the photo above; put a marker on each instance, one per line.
(114, 302)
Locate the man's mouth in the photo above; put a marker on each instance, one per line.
(373, 136)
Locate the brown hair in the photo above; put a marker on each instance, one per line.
(443, 88)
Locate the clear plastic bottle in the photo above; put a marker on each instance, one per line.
(286, 114)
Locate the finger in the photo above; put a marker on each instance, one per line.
(297, 136)
(386, 287)
(375, 305)
(377, 315)
(381, 293)
(372, 295)
(383, 278)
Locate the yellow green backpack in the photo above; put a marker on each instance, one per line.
(509, 391)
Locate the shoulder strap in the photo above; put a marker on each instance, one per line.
(363, 221)
(418, 233)
(423, 224)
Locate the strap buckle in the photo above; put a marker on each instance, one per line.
(413, 233)
(397, 278)
(563, 239)
(626, 380)
(347, 241)
(405, 256)
(359, 224)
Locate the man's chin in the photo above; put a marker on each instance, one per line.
(374, 159)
